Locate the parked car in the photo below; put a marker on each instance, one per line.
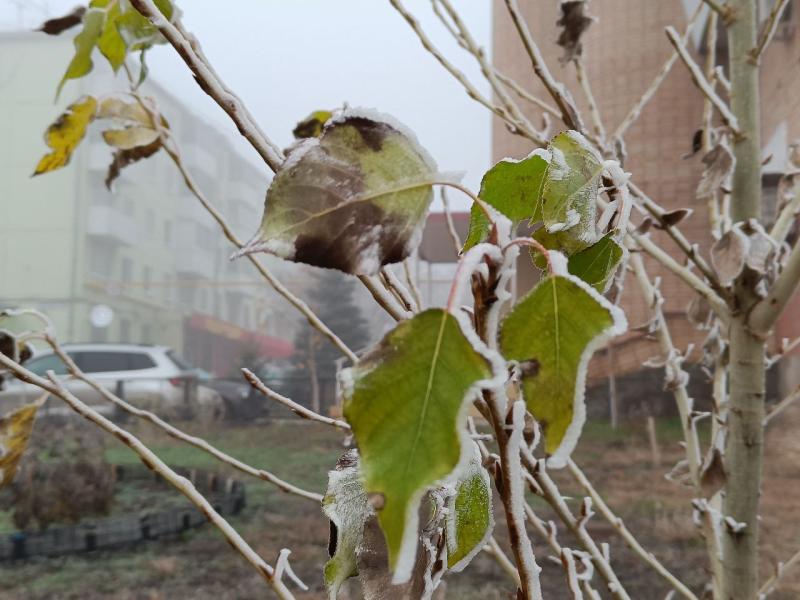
(151, 377)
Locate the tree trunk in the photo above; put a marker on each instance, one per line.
(746, 410)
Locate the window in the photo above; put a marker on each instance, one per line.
(50, 362)
(127, 269)
(108, 362)
(101, 362)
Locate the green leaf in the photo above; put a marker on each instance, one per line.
(553, 332)
(513, 188)
(64, 135)
(571, 186)
(406, 403)
(137, 31)
(353, 199)
(346, 505)
(469, 521)
(597, 264)
(81, 64)
(111, 44)
(15, 431)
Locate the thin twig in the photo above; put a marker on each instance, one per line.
(636, 109)
(451, 226)
(412, 284)
(768, 29)
(493, 549)
(386, 301)
(526, 95)
(396, 286)
(594, 111)
(471, 90)
(154, 463)
(296, 408)
(702, 83)
(213, 85)
(723, 10)
(781, 406)
(176, 433)
(626, 535)
(772, 584)
(557, 91)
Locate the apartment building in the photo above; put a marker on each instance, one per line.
(148, 251)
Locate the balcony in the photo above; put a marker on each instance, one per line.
(111, 225)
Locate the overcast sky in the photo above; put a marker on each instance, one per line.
(286, 58)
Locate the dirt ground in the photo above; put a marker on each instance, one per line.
(200, 565)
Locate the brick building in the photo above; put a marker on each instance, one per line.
(623, 52)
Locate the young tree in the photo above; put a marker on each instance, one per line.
(332, 297)
(353, 197)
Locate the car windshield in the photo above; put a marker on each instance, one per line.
(107, 362)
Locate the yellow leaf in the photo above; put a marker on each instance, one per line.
(130, 137)
(64, 135)
(15, 431)
(113, 107)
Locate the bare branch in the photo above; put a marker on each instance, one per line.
(766, 312)
(636, 110)
(153, 462)
(722, 9)
(768, 29)
(526, 95)
(626, 535)
(702, 83)
(583, 80)
(384, 299)
(557, 91)
(493, 549)
(781, 406)
(773, 583)
(471, 90)
(213, 85)
(394, 285)
(298, 409)
(451, 227)
(412, 284)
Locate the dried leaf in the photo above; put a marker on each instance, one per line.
(124, 158)
(728, 255)
(761, 253)
(64, 135)
(59, 24)
(713, 475)
(130, 137)
(673, 217)
(719, 163)
(353, 199)
(575, 22)
(645, 226)
(129, 112)
(699, 312)
(15, 430)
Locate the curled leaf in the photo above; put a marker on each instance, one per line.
(124, 158)
(713, 475)
(59, 24)
(346, 505)
(571, 187)
(575, 22)
(64, 135)
(728, 255)
(673, 217)
(719, 163)
(15, 431)
(130, 137)
(418, 380)
(353, 199)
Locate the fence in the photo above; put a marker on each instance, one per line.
(226, 494)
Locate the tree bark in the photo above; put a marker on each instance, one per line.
(744, 443)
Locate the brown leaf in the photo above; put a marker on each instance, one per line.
(719, 163)
(728, 255)
(15, 430)
(575, 22)
(59, 24)
(123, 158)
(713, 476)
(673, 217)
(645, 226)
(699, 312)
